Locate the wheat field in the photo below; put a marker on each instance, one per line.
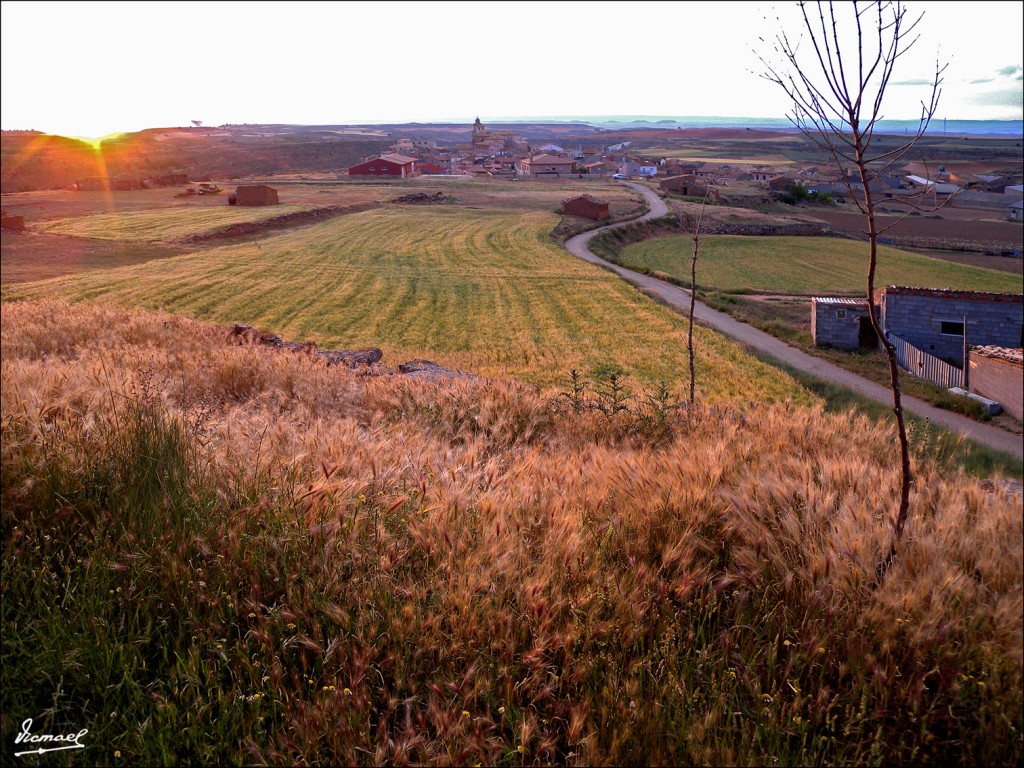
(229, 554)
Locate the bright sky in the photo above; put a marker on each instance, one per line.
(94, 68)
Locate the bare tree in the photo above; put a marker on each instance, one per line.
(836, 83)
(696, 230)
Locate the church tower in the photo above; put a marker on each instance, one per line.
(479, 132)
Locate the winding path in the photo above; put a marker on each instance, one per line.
(679, 299)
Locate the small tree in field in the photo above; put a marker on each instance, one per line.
(696, 232)
(836, 82)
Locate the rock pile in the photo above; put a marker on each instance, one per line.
(365, 360)
(423, 198)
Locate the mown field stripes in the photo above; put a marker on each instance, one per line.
(804, 265)
(480, 290)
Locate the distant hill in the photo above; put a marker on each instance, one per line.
(32, 160)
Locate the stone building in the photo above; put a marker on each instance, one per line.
(691, 186)
(484, 139)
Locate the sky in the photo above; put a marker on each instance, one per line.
(90, 69)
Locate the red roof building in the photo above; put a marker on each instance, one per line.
(401, 166)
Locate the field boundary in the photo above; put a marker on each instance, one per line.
(286, 221)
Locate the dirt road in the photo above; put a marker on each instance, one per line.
(679, 299)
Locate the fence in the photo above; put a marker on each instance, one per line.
(925, 366)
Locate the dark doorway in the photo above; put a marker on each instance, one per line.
(866, 336)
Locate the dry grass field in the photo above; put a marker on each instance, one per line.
(227, 554)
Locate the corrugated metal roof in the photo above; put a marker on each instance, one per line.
(839, 300)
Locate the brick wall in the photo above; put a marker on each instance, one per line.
(999, 380)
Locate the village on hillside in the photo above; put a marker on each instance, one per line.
(505, 153)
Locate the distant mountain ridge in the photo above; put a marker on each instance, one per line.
(937, 126)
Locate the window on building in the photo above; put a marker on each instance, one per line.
(841, 314)
(372, 168)
(950, 328)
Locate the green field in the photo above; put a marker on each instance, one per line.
(163, 224)
(482, 290)
(804, 265)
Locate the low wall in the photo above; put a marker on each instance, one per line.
(999, 380)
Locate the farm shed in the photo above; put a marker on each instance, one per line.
(842, 323)
(586, 206)
(400, 166)
(256, 194)
(936, 321)
(997, 373)
(1014, 211)
(782, 183)
(690, 186)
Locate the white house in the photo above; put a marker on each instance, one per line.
(635, 169)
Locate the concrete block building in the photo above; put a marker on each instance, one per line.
(842, 323)
(936, 321)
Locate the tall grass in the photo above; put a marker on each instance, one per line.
(219, 553)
